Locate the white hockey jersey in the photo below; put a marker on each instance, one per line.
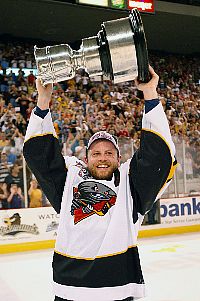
(96, 255)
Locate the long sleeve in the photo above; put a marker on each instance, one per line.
(43, 156)
(153, 165)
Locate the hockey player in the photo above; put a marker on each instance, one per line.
(101, 203)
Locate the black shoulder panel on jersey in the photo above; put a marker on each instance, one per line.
(44, 158)
(149, 170)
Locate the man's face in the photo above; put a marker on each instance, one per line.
(14, 187)
(34, 184)
(3, 136)
(3, 158)
(15, 169)
(102, 159)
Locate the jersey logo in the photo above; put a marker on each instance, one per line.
(91, 198)
(83, 172)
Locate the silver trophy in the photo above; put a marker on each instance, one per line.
(118, 51)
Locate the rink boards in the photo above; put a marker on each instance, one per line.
(36, 228)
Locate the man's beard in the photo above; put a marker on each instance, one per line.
(105, 174)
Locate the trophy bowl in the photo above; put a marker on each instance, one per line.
(119, 51)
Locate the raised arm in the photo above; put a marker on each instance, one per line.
(42, 150)
(153, 165)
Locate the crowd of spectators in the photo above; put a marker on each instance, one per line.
(82, 106)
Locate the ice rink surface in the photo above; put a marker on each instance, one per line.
(171, 268)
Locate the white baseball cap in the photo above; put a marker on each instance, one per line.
(103, 135)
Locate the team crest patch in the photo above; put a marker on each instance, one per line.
(83, 172)
(91, 198)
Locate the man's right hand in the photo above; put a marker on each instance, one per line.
(44, 94)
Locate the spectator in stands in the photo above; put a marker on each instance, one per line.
(4, 84)
(9, 129)
(11, 157)
(10, 148)
(3, 196)
(2, 104)
(13, 95)
(80, 150)
(71, 144)
(4, 167)
(20, 123)
(18, 139)
(23, 102)
(85, 81)
(31, 78)
(4, 64)
(29, 110)
(6, 116)
(16, 198)
(35, 195)
(13, 63)
(29, 61)
(3, 141)
(65, 129)
(78, 79)
(14, 177)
